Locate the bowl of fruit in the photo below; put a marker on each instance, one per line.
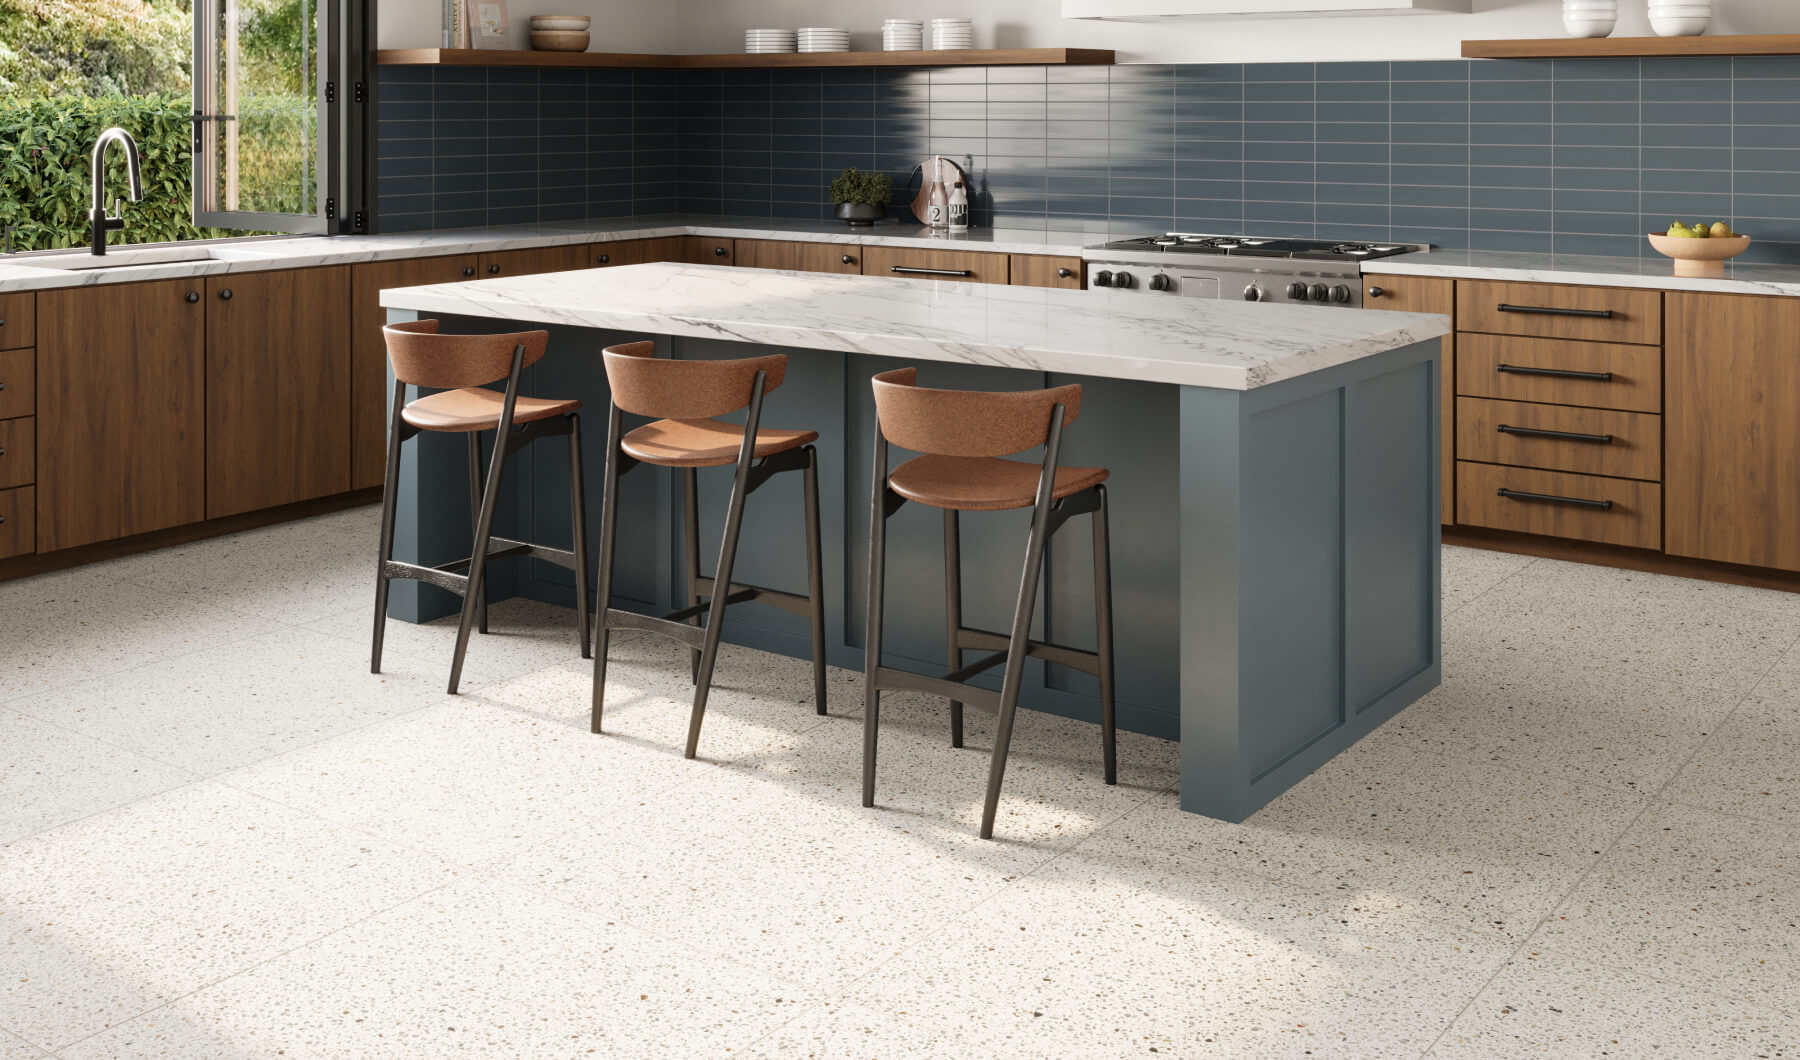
(1701, 250)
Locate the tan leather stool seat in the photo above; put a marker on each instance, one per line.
(478, 409)
(705, 443)
(983, 483)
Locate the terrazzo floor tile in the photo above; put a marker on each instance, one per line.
(239, 703)
(1692, 897)
(523, 635)
(839, 1030)
(1558, 1008)
(12, 1048)
(1097, 956)
(119, 913)
(1751, 766)
(50, 776)
(1611, 587)
(473, 970)
(1609, 727)
(1470, 572)
(74, 625)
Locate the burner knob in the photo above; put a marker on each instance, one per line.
(1103, 278)
(1297, 291)
(1340, 294)
(1123, 281)
(1319, 292)
(1253, 293)
(1161, 282)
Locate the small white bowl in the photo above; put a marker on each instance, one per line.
(1679, 26)
(1590, 27)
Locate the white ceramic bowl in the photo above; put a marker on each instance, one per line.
(1590, 6)
(1589, 27)
(1679, 26)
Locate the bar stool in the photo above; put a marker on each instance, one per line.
(962, 436)
(460, 366)
(685, 398)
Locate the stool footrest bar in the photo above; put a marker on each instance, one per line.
(438, 576)
(741, 593)
(692, 636)
(889, 679)
(1087, 662)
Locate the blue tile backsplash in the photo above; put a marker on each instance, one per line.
(1564, 156)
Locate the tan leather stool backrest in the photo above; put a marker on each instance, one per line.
(668, 389)
(967, 422)
(422, 357)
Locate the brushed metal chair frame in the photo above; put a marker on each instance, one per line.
(1011, 649)
(467, 577)
(685, 625)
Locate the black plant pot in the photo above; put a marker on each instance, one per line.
(860, 214)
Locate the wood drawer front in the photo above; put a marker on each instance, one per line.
(18, 452)
(1635, 518)
(18, 383)
(1499, 366)
(1560, 311)
(799, 257)
(709, 250)
(1042, 270)
(18, 320)
(956, 266)
(1635, 449)
(18, 522)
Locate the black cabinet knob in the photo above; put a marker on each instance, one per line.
(1377, 292)
(720, 252)
(1065, 273)
(192, 297)
(468, 270)
(493, 270)
(604, 258)
(846, 259)
(2, 520)
(225, 295)
(2, 386)
(2, 322)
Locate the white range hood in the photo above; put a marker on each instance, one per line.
(1198, 10)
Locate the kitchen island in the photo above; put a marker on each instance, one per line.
(1274, 490)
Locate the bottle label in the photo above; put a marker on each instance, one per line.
(934, 214)
(959, 214)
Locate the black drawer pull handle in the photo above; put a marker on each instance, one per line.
(192, 297)
(1551, 498)
(2, 520)
(1551, 311)
(1567, 436)
(1377, 292)
(720, 252)
(468, 270)
(2, 386)
(1065, 273)
(848, 260)
(493, 270)
(604, 258)
(1556, 373)
(2, 322)
(225, 295)
(909, 270)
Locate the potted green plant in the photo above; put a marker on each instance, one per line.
(862, 198)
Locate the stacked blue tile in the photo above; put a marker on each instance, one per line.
(1577, 156)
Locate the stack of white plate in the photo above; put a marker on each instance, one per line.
(824, 39)
(1590, 18)
(758, 41)
(903, 35)
(948, 34)
(1680, 18)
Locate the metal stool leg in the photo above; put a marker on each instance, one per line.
(690, 506)
(389, 502)
(815, 578)
(1103, 629)
(484, 528)
(474, 438)
(872, 625)
(715, 617)
(578, 498)
(953, 612)
(609, 520)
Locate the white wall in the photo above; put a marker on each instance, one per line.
(619, 25)
(717, 26)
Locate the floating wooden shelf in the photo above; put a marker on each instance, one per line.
(1630, 47)
(634, 61)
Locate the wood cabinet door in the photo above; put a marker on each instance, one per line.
(709, 250)
(796, 256)
(1428, 294)
(1731, 401)
(960, 266)
(661, 248)
(368, 352)
(277, 388)
(1042, 270)
(530, 262)
(1558, 311)
(121, 402)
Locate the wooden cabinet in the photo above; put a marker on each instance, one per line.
(707, 250)
(966, 266)
(1733, 429)
(528, 262)
(18, 383)
(607, 255)
(18, 320)
(1612, 511)
(368, 352)
(1042, 270)
(18, 514)
(18, 452)
(277, 388)
(1600, 375)
(1560, 438)
(796, 256)
(121, 410)
(1559, 311)
(1429, 294)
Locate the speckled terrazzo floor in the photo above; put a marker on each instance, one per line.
(221, 838)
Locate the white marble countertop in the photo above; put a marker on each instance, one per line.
(1218, 344)
(29, 272)
(1654, 273)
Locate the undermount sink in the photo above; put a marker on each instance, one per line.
(118, 259)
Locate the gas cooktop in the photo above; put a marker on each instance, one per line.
(1263, 247)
